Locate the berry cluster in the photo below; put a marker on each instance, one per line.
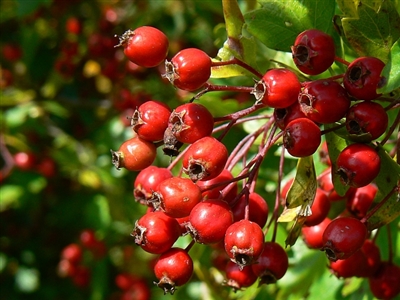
(204, 200)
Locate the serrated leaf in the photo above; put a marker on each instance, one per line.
(373, 32)
(387, 180)
(277, 23)
(391, 71)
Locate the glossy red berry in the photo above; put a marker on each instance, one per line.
(284, 116)
(205, 159)
(88, 238)
(147, 181)
(239, 277)
(384, 284)
(82, 276)
(312, 235)
(178, 196)
(324, 101)
(72, 253)
(244, 242)
(279, 88)
(173, 268)
(215, 193)
(320, 208)
(363, 78)
(301, 137)
(190, 122)
(367, 118)
(272, 263)
(361, 201)
(313, 51)
(209, 220)
(156, 232)
(343, 237)
(325, 183)
(150, 120)
(258, 209)
(349, 267)
(358, 164)
(189, 69)
(134, 154)
(145, 46)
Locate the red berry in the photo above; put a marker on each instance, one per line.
(313, 51)
(88, 238)
(156, 232)
(301, 137)
(244, 242)
(343, 237)
(189, 69)
(150, 120)
(215, 193)
(324, 101)
(239, 277)
(25, 160)
(73, 25)
(367, 118)
(72, 253)
(312, 235)
(47, 167)
(147, 181)
(178, 196)
(209, 220)
(145, 46)
(358, 164)
(173, 268)
(190, 122)
(12, 52)
(279, 88)
(82, 276)
(325, 183)
(384, 284)
(363, 78)
(205, 159)
(258, 209)
(134, 154)
(320, 208)
(361, 201)
(272, 263)
(283, 116)
(349, 267)
(66, 268)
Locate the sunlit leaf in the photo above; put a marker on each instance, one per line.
(373, 32)
(277, 23)
(391, 71)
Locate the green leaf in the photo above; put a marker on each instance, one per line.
(10, 195)
(27, 7)
(373, 32)
(348, 7)
(387, 180)
(277, 23)
(392, 70)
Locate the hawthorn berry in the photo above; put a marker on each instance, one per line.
(72, 253)
(258, 209)
(244, 242)
(215, 193)
(301, 137)
(363, 78)
(358, 164)
(343, 237)
(313, 51)
(272, 263)
(150, 120)
(209, 220)
(177, 196)
(173, 268)
(384, 284)
(279, 88)
(134, 154)
(25, 160)
(325, 183)
(145, 46)
(156, 232)
(239, 277)
(324, 101)
(320, 208)
(361, 201)
(312, 235)
(189, 69)
(147, 181)
(205, 159)
(283, 116)
(367, 117)
(190, 122)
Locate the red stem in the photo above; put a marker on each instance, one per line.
(238, 62)
(341, 60)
